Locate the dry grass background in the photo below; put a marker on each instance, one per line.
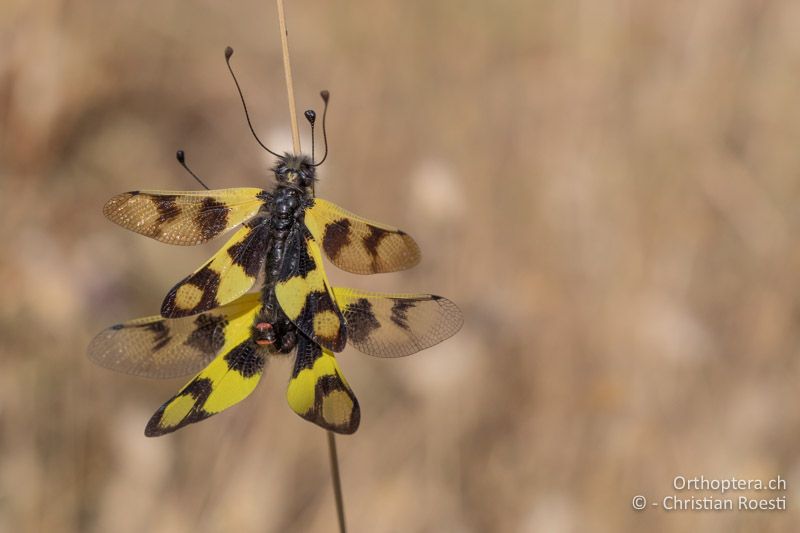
(608, 189)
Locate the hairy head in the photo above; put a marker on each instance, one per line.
(295, 170)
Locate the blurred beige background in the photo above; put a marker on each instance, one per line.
(608, 189)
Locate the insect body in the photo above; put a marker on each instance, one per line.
(207, 319)
(211, 326)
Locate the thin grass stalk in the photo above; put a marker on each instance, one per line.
(287, 68)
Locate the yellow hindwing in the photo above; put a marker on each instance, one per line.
(226, 381)
(305, 295)
(318, 391)
(231, 272)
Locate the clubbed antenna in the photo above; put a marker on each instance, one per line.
(311, 117)
(181, 157)
(228, 54)
(325, 97)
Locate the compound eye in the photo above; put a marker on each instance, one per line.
(280, 174)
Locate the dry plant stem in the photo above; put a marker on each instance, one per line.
(287, 68)
(337, 485)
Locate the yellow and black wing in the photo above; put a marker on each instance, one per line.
(305, 295)
(155, 347)
(358, 245)
(393, 325)
(231, 272)
(184, 218)
(226, 381)
(318, 391)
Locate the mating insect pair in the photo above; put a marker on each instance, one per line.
(210, 324)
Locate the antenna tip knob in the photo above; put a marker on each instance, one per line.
(180, 156)
(325, 96)
(311, 116)
(228, 52)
